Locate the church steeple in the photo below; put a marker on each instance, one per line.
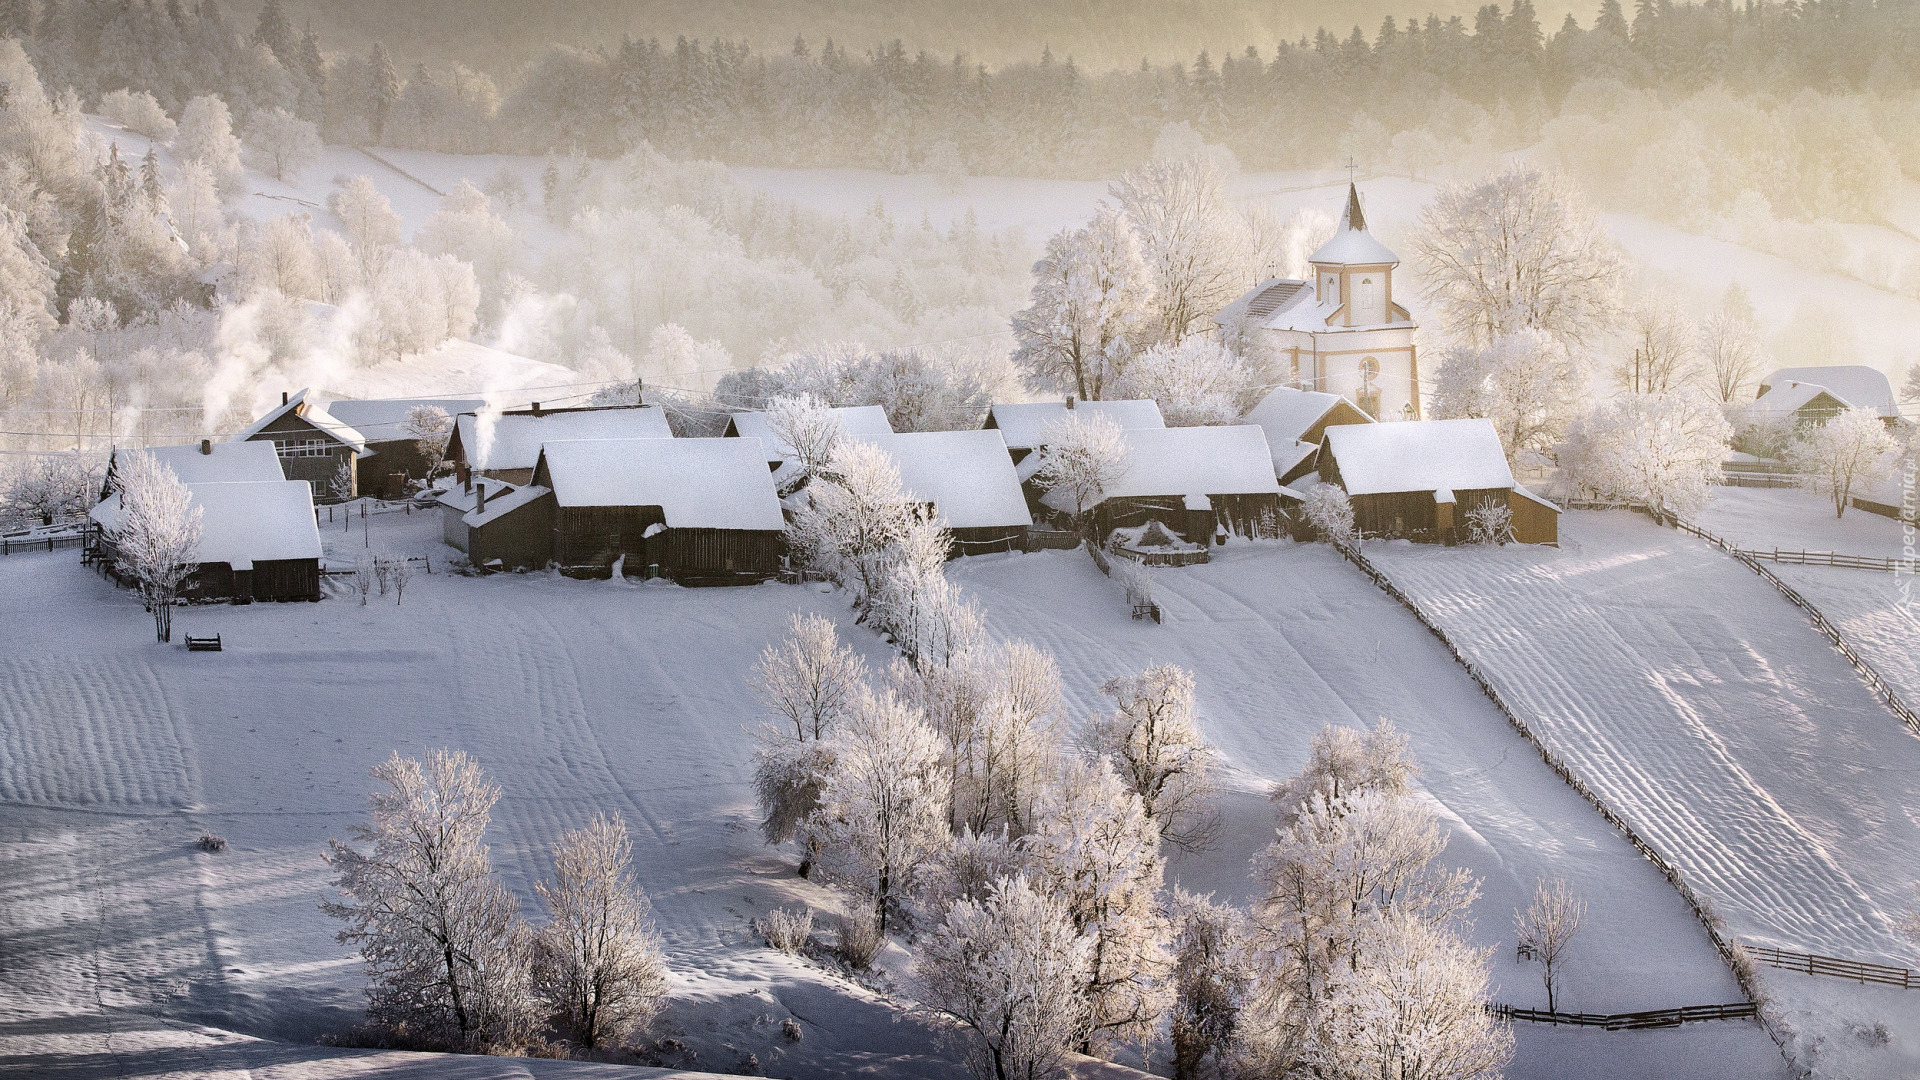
(1353, 220)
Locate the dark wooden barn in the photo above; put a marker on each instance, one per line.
(1193, 480)
(312, 445)
(258, 541)
(394, 458)
(1420, 479)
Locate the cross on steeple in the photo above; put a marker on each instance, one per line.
(1351, 167)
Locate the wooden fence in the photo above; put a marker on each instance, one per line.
(1731, 953)
(45, 542)
(1830, 965)
(1633, 1021)
(1830, 558)
(1867, 672)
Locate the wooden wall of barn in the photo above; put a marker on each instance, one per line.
(317, 471)
(1241, 514)
(590, 539)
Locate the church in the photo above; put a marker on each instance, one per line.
(1342, 331)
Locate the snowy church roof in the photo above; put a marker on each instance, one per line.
(854, 420)
(1857, 385)
(223, 462)
(1352, 244)
(385, 419)
(966, 475)
(513, 440)
(313, 413)
(697, 483)
(1419, 455)
(1021, 422)
(244, 523)
(1185, 461)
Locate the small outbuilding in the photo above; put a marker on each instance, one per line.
(312, 443)
(393, 448)
(1194, 480)
(968, 479)
(506, 445)
(1419, 480)
(258, 540)
(1021, 423)
(1295, 421)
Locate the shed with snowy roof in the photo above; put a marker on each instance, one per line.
(701, 511)
(205, 462)
(1022, 423)
(506, 445)
(481, 517)
(1295, 421)
(968, 480)
(1194, 480)
(391, 439)
(1421, 480)
(313, 445)
(258, 540)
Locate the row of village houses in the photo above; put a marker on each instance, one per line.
(586, 489)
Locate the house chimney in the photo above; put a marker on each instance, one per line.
(536, 408)
(1069, 401)
(206, 446)
(283, 397)
(479, 498)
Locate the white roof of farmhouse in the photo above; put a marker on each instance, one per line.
(1021, 423)
(244, 523)
(313, 413)
(1785, 398)
(224, 462)
(1285, 414)
(385, 419)
(1419, 455)
(1855, 384)
(966, 475)
(1192, 461)
(515, 438)
(1352, 244)
(854, 420)
(697, 483)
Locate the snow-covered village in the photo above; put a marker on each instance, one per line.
(1035, 540)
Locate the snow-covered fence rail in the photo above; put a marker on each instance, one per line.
(401, 171)
(1830, 558)
(1867, 672)
(42, 542)
(1733, 954)
(1633, 1021)
(1831, 965)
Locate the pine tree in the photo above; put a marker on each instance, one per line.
(311, 63)
(150, 185)
(276, 33)
(386, 90)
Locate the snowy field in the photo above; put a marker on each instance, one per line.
(1705, 709)
(1792, 519)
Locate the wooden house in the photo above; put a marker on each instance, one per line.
(393, 450)
(1295, 421)
(205, 462)
(483, 518)
(506, 445)
(312, 443)
(1419, 480)
(1021, 423)
(968, 480)
(1194, 480)
(701, 511)
(258, 540)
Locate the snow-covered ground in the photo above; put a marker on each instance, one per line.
(1285, 639)
(1706, 710)
(1792, 519)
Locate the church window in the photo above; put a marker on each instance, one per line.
(1368, 394)
(1366, 295)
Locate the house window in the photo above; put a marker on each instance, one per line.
(1368, 394)
(303, 448)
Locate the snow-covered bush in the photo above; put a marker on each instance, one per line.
(597, 966)
(366, 571)
(859, 941)
(1155, 744)
(787, 931)
(1852, 450)
(1489, 522)
(1136, 579)
(1330, 513)
(138, 112)
(1661, 451)
(210, 843)
(808, 681)
(1212, 975)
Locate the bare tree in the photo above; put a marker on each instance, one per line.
(811, 432)
(1663, 356)
(399, 572)
(1547, 928)
(366, 571)
(1083, 456)
(430, 427)
(597, 965)
(1851, 450)
(1157, 748)
(157, 534)
(440, 935)
(1730, 346)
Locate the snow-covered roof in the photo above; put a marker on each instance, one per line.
(1020, 423)
(966, 475)
(1191, 461)
(1532, 498)
(385, 419)
(499, 506)
(313, 413)
(513, 440)
(1288, 456)
(697, 483)
(1289, 304)
(244, 523)
(1784, 398)
(854, 420)
(224, 462)
(1286, 414)
(1419, 455)
(1352, 244)
(462, 497)
(1856, 384)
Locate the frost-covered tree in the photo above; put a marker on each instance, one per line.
(370, 223)
(883, 806)
(1090, 297)
(810, 429)
(1525, 381)
(853, 523)
(466, 228)
(1198, 381)
(1343, 762)
(1096, 850)
(1851, 450)
(205, 136)
(26, 278)
(1196, 246)
(997, 707)
(808, 681)
(1729, 346)
(597, 966)
(927, 617)
(431, 428)
(286, 145)
(1546, 930)
(50, 487)
(1520, 250)
(1010, 969)
(1660, 451)
(1154, 742)
(440, 935)
(138, 112)
(1084, 454)
(1212, 977)
(1330, 512)
(1663, 342)
(157, 534)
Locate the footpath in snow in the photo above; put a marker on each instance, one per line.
(1286, 638)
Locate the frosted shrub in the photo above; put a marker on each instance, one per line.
(138, 112)
(597, 966)
(787, 931)
(1330, 513)
(363, 578)
(211, 843)
(1489, 523)
(860, 941)
(1136, 579)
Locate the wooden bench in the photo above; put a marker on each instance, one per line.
(203, 644)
